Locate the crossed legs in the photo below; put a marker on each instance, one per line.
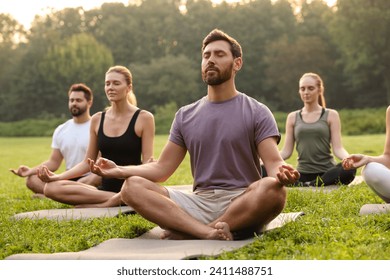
(37, 185)
(79, 194)
(259, 204)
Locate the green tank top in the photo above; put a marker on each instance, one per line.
(313, 144)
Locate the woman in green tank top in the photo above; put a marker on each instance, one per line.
(316, 131)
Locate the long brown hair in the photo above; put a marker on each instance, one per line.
(320, 85)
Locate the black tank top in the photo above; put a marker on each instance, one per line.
(123, 150)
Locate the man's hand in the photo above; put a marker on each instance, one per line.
(105, 168)
(22, 171)
(287, 174)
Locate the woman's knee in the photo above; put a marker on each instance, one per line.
(377, 177)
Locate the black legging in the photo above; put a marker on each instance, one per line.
(335, 175)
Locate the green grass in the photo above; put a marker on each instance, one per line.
(331, 228)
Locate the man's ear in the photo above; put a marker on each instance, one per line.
(237, 64)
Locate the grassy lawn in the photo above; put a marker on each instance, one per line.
(331, 228)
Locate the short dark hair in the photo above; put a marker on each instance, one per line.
(82, 87)
(217, 35)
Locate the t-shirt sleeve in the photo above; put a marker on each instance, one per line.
(175, 134)
(266, 125)
(54, 142)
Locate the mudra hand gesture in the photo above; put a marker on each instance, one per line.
(105, 168)
(287, 175)
(46, 175)
(354, 161)
(22, 171)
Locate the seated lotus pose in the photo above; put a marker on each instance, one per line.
(316, 129)
(225, 133)
(122, 133)
(376, 171)
(69, 142)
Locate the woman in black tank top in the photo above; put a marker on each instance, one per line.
(316, 131)
(122, 133)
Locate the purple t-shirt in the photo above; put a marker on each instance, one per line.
(222, 139)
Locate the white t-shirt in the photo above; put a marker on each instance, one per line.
(72, 140)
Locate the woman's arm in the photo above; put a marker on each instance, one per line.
(358, 160)
(289, 141)
(147, 133)
(335, 135)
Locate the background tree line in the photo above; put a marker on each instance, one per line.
(160, 41)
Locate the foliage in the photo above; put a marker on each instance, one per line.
(164, 117)
(368, 121)
(162, 79)
(353, 122)
(30, 127)
(304, 49)
(361, 29)
(160, 40)
(79, 58)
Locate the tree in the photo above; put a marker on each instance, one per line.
(42, 86)
(287, 61)
(166, 79)
(77, 59)
(12, 36)
(361, 29)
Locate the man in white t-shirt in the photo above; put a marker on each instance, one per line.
(69, 143)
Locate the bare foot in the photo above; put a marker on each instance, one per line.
(175, 235)
(221, 232)
(96, 205)
(111, 202)
(38, 195)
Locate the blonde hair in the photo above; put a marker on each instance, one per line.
(320, 85)
(131, 98)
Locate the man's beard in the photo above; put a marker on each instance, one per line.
(77, 111)
(217, 78)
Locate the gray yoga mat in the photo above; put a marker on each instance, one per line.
(374, 209)
(84, 213)
(75, 213)
(149, 247)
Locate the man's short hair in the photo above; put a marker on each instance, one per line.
(217, 35)
(82, 87)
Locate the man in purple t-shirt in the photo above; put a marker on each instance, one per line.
(225, 133)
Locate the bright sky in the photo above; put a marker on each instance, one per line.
(24, 11)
